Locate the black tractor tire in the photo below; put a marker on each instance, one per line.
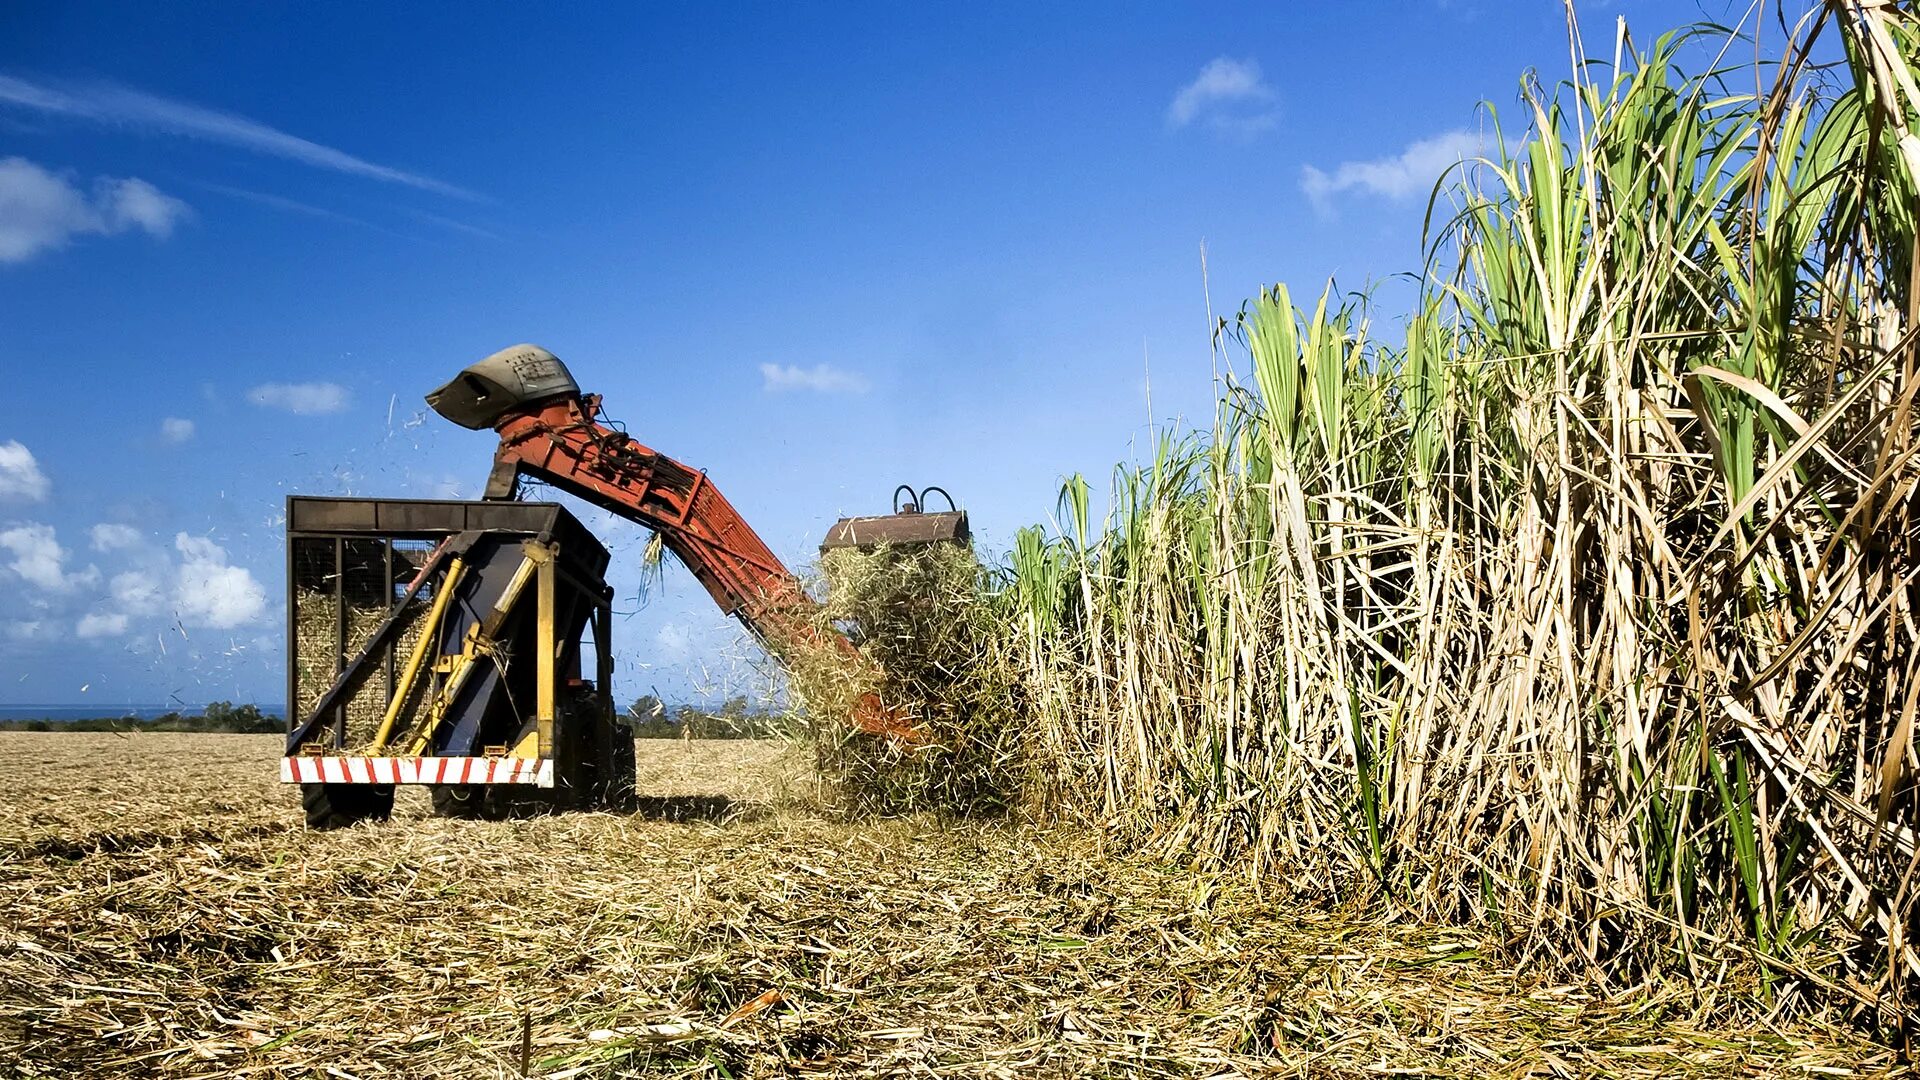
(490, 802)
(336, 806)
(460, 801)
(619, 794)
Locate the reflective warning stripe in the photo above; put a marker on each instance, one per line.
(390, 770)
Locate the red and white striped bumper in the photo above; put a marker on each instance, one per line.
(416, 770)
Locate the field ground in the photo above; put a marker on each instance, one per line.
(163, 913)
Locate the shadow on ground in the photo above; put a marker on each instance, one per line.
(696, 808)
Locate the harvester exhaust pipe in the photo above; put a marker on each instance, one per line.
(508, 381)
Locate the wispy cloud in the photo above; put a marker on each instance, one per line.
(307, 399)
(175, 430)
(20, 475)
(1400, 176)
(294, 206)
(41, 210)
(1228, 94)
(674, 640)
(110, 103)
(821, 378)
(101, 624)
(454, 226)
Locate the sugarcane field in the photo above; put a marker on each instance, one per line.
(1408, 561)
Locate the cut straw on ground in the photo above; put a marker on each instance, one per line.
(167, 916)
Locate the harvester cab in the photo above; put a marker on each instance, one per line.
(909, 526)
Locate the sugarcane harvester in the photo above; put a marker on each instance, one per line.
(441, 643)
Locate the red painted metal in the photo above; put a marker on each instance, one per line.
(561, 442)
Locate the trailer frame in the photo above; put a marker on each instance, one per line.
(546, 568)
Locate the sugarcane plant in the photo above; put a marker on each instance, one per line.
(1581, 606)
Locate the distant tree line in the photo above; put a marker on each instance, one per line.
(650, 718)
(218, 716)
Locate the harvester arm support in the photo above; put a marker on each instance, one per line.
(551, 431)
(561, 443)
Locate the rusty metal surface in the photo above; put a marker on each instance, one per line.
(561, 438)
(566, 446)
(433, 519)
(898, 530)
(316, 514)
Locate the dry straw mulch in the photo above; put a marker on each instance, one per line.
(165, 915)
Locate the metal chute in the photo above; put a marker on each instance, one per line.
(509, 380)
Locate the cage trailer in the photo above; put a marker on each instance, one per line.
(441, 643)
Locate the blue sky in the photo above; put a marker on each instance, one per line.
(815, 250)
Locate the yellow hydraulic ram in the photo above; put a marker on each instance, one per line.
(428, 633)
(481, 639)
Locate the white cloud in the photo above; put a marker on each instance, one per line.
(40, 560)
(20, 475)
(37, 555)
(108, 103)
(96, 625)
(307, 399)
(1229, 93)
(112, 537)
(175, 430)
(1411, 172)
(137, 203)
(42, 211)
(210, 592)
(821, 378)
(135, 593)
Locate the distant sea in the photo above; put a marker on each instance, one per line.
(91, 712)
